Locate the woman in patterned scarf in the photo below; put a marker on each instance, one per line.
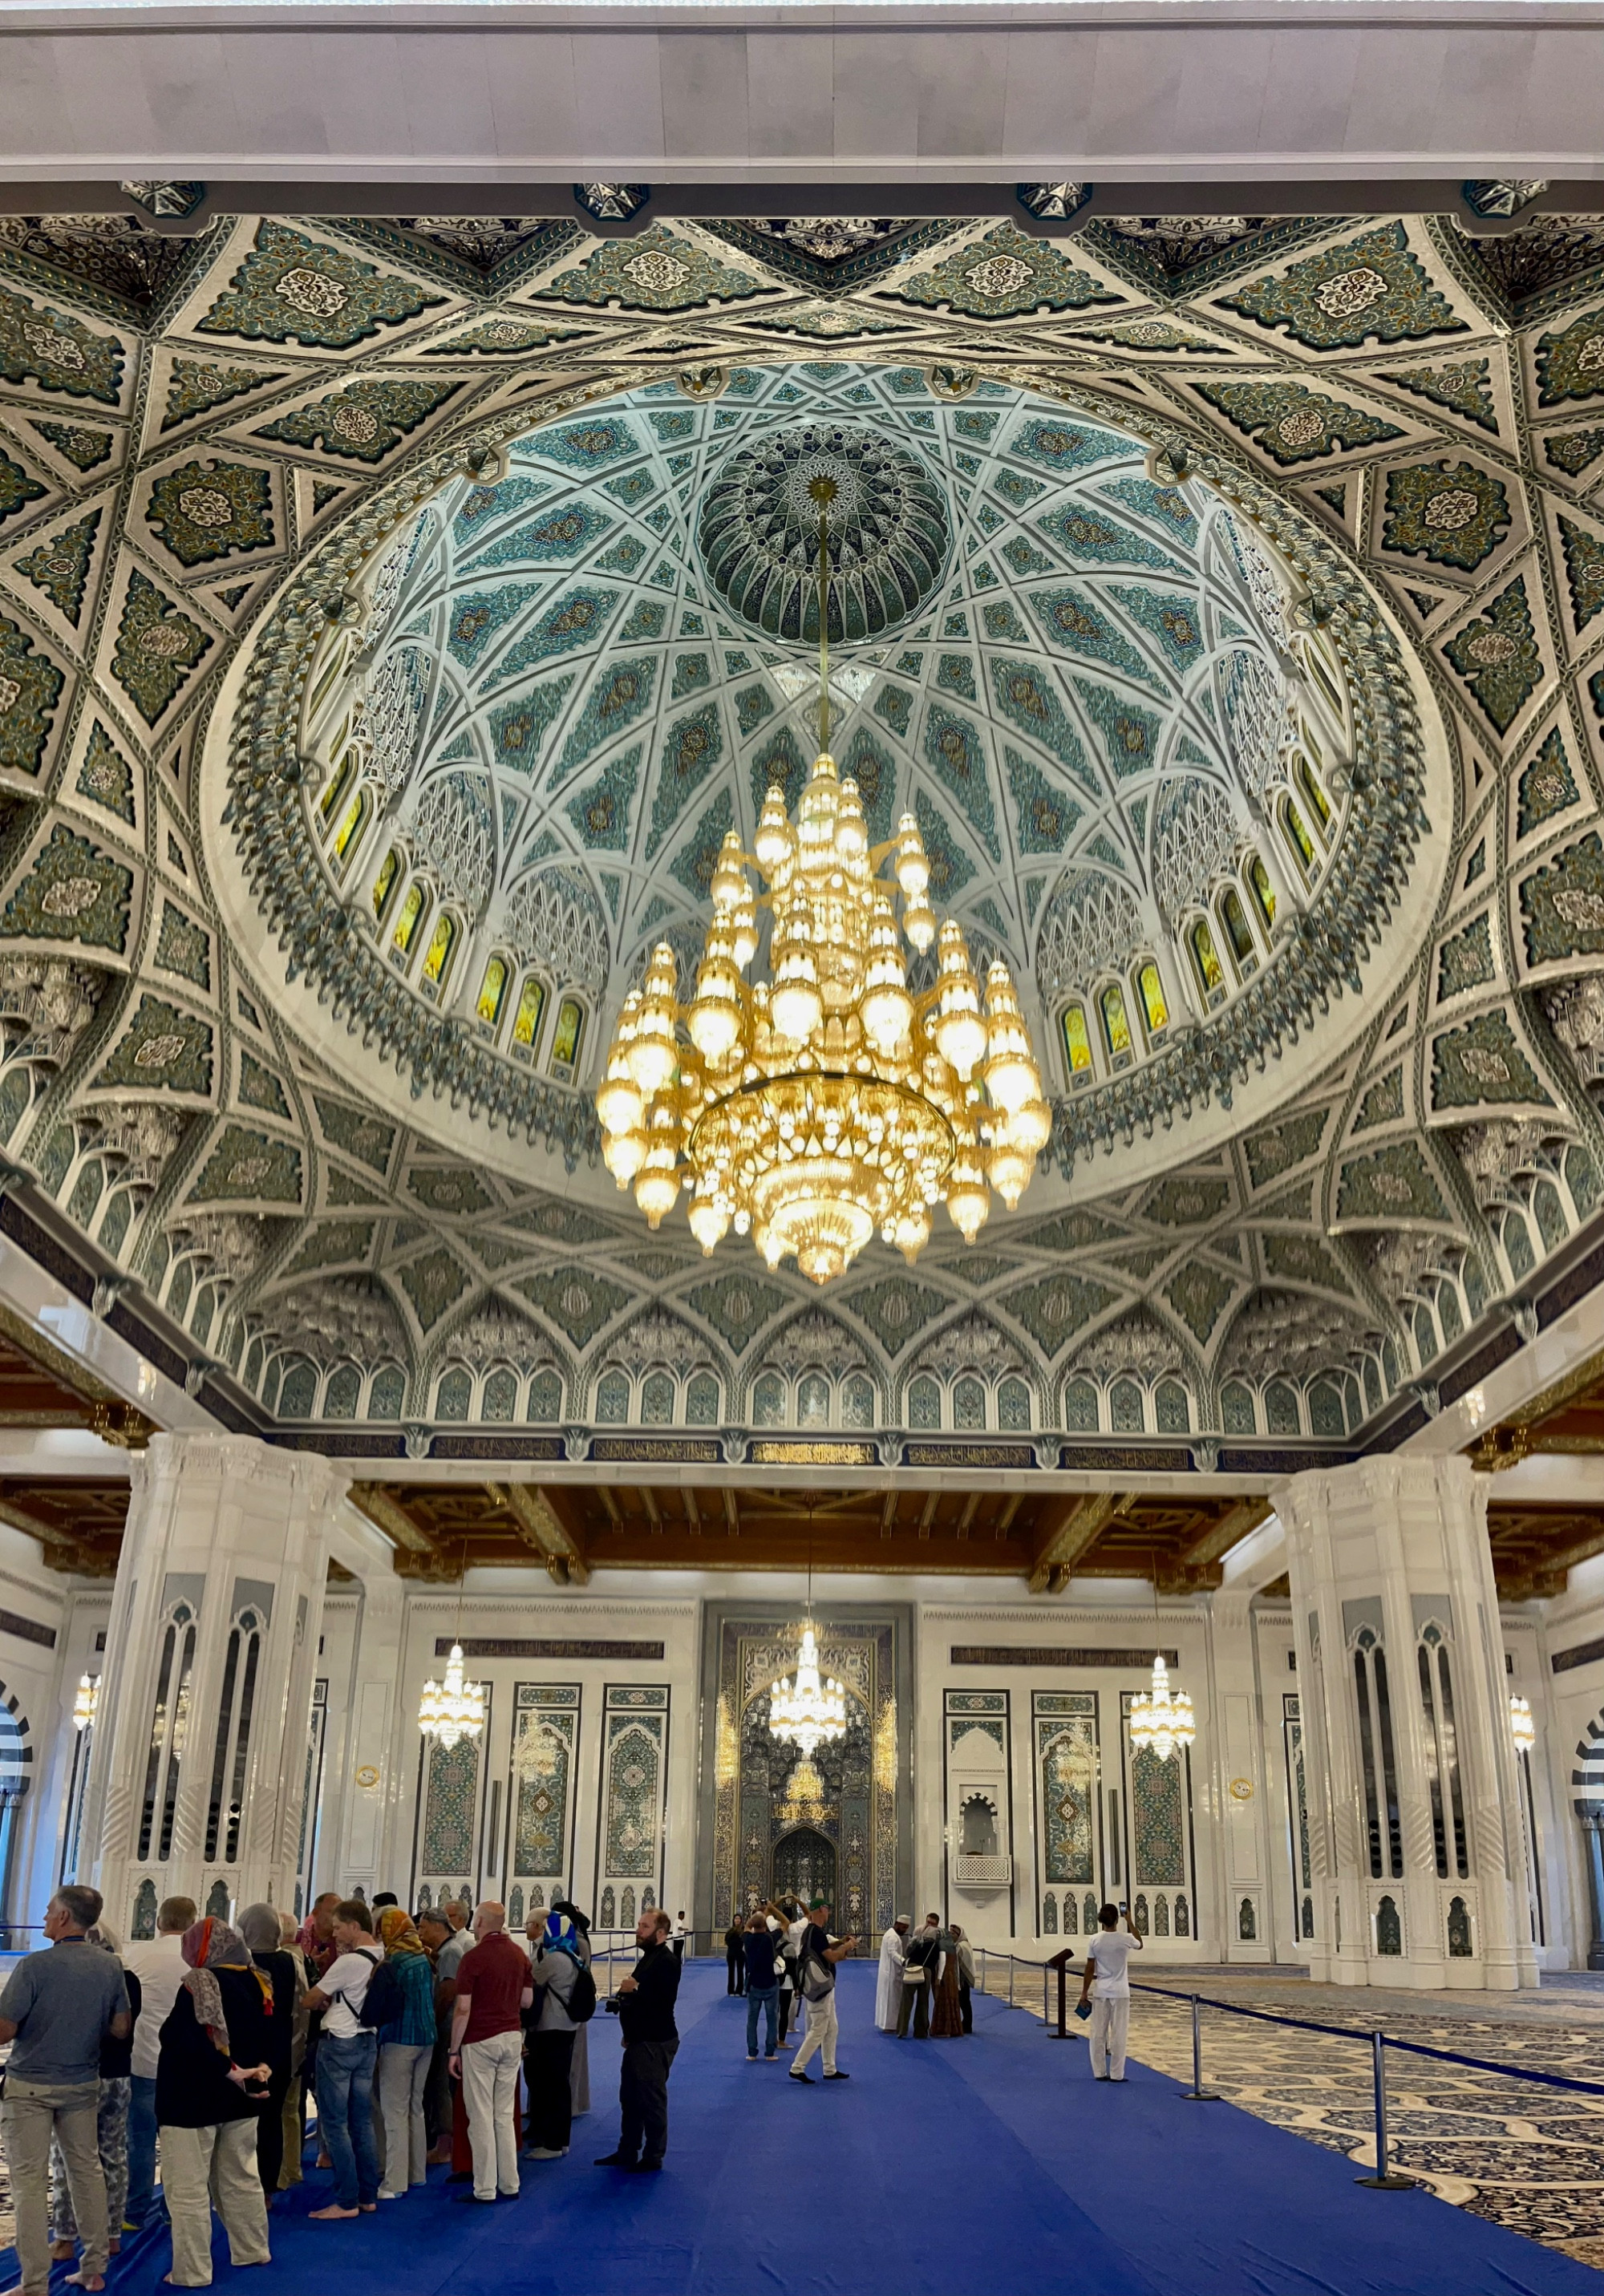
(211, 2083)
(406, 2053)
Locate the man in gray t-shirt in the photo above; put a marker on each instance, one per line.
(57, 2008)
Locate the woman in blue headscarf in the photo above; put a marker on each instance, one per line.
(549, 2030)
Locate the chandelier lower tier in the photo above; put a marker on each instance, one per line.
(829, 1101)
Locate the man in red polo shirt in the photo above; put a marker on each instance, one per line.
(494, 1987)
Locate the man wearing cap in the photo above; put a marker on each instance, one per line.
(816, 1977)
(887, 1990)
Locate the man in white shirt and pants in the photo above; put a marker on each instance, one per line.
(1106, 1984)
(159, 1964)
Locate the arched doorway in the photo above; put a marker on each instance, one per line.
(805, 1866)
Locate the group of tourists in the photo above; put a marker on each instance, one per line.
(926, 1981)
(201, 2046)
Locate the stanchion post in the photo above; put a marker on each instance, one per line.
(1197, 2094)
(1060, 1962)
(1010, 1980)
(1384, 2180)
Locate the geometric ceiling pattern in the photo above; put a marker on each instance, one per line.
(179, 434)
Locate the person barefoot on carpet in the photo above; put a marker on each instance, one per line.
(347, 2052)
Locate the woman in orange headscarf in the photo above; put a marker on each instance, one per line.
(211, 2084)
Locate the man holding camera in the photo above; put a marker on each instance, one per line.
(644, 2008)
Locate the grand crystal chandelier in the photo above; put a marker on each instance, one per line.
(87, 1704)
(1523, 1727)
(807, 1709)
(830, 1102)
(1161, 1719)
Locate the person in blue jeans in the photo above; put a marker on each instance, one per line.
(346, 2054)
(763, 1985)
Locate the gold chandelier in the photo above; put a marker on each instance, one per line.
(829, 1101)
(1162, 1720)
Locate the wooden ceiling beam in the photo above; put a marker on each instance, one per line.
(63, 1550)
(1068, 1532)
(543, 1530)
(731, 1512)
(422, 1556)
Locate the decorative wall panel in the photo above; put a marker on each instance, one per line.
(635, 1755)
(451, 1811)
(540, 1794)
(979, 1804)
(1158, 1801)
(1298, 1811)
(1068, 1761)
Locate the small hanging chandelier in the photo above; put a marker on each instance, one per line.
(451, 1711)
(537, 1753)
(1162, 1721)
(87, 1704)
(829, 1102)
(1523, 1729)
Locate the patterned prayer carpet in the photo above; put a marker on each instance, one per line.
(969, 2168)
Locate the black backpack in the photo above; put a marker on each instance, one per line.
(382, 2002)
(581, 2003)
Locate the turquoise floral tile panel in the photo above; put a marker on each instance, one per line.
(1372, 289)
(1070, 620)
(576, 1300)
(1499, 657)
(1383, 1103)
(518, 729)
(1084, 534)
(1003, 274)
(1393, 1184)
(1460, 385)
(602, 811)
(1066, 1760)
(292, 289)
(85, 450)
(30, 686)
(1293, 424)
(61, 567)
(897, 1310)
(105, 777)
(1570, 361)
(548, 539)
(1062, 446)
(956, 755)
(157, 648)
(52, 348)
(433, 1283)
(737, 1307)
(1130, 734)
(1453, 514)
(1584, 571)
(1562, 905)
(1572, 451)
(577, 618)
(163, 1048)
(950, 866)
(1279, 1146)
(1054, 1309)
(72, 891)
(260, 1088)
(248, 1167)
(1465, 960)
(365, 421)
(1026, 697)
(691, 748)
(359, 1133)
(182, 947)
(195, 387)
(1547, 787)
(1483, 1064)
(870, 764)
(660, 271)
(205, 511)
(1043, 815)
(18, 490)
(1199, 1295)
(694, 864)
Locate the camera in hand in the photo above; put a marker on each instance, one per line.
(613, 2006)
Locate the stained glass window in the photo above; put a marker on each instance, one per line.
(336, 790)
(570, 1028)
(1077, 1042)
(1297, 835)
(384, 883)
(406, 923)
(1210, 974)
(440, 950)
(492, 990)
(1318, 805)
(1117, 1032)
(350, 827)
(531, 1005)
(1150, 990)
(1264, 892)
(1235, 920)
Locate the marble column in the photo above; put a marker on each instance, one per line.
(1236, 1785)
(199, 1764)
(1414, 1802)
(380, 1742)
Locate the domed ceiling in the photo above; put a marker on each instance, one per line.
(296, 500)
(1133, 775)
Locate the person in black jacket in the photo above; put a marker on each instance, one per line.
(645, 2007)
(211, 2084)
(736, 1968)
(260, 1931)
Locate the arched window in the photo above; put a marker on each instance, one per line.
(409, 919)
(169, 1721)
(612, 1399)
(1172, 1407)
(384, 883)
(1234, 918)
(1211, 977)
(701, 1400)
(349, 836)
(657, 1400)
(1264, 892)
(440, 947)
(546, 1399)
(1320, 811)
(1117, 1032)
(1149, 995)
(297, 1394)
(1080, 1407)
(768, 1401)
(567, 1038)
(813, 1400)
(924, 1403)
(500, 1403)
(531, 1010)
(1013, 1406)
(456, 1394)
(329, 803)
(341, 1393)
(857, 1400)
(1125, 1408)
(1298, 836)
(1281, 1409)
(969, 1404)
(492, 995)
(1078, 1044)
(387, 1392)
(231, 1747)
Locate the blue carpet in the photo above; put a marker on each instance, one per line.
(974, 2167)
